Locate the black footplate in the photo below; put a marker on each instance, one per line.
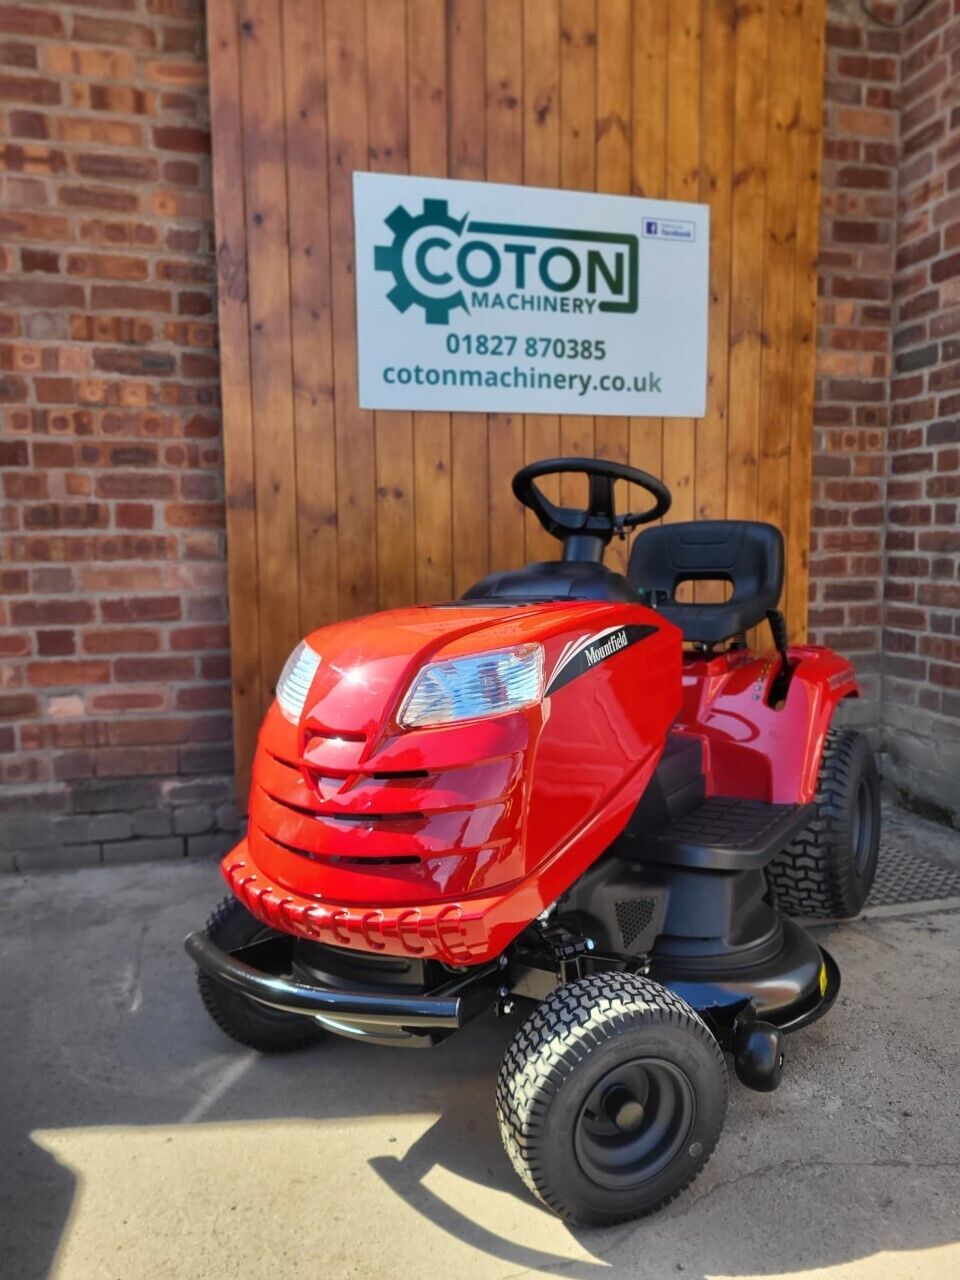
(721, 834)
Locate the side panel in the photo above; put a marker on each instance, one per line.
(752, 749)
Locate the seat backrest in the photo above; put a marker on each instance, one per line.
(745, 553)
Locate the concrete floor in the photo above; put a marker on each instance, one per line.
(137, 1141)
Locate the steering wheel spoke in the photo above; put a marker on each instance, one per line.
(598, 522)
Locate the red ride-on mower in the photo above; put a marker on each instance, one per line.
(569, 789)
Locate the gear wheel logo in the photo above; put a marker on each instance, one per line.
(389, 258)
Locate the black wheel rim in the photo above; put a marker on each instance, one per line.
(863, 821)
(634, 1123)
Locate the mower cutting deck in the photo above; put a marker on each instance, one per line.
(568, 788)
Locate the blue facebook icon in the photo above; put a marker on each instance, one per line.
(650, 228)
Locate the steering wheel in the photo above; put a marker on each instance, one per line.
(600, 519)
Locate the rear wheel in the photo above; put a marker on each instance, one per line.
(611, 1098)
(829, 869)
(256, 1025)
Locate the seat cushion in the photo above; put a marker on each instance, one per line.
(745, 553)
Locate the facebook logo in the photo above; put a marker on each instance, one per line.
(664, 229)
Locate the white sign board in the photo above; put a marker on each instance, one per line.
(475, 296)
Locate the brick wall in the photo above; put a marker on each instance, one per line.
(921, 668)
(851, 416)
(885, 553)
(114, 705)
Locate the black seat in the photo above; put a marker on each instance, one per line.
(746, 553)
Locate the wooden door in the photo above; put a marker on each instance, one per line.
(335, 511)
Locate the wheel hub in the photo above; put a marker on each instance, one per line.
(634, 1122)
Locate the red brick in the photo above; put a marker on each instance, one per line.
(122, 298)
(185, 639)
(945, 268)
(142, 609)
(114, 32)
(33, 613)
(34, 89)
(180, 138)
(133, 515)
(194, 514)
(67, 673)
(40, 293)
(112, 198)
(121, 640)
(56, 643)
(105, 266)
(109, 165)
(153, 669)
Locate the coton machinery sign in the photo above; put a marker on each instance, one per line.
(475, 296)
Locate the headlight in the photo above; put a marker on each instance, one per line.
(295, 681)
(483, 684)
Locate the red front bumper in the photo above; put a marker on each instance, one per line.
(455, 933)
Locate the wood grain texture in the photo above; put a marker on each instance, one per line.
(271, 381)
(243, 581)
(333, 510)
(311, 315)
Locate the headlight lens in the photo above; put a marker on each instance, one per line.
(482, 684)
(295, 681)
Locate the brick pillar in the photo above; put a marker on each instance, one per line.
(921, 669)
(114, 670)
(851, 416)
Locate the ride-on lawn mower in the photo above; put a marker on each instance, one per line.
(568, 788)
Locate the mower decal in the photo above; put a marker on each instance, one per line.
(579, 656)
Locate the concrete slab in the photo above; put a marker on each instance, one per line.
(138, 1141)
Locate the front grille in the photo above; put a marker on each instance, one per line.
(342, 860)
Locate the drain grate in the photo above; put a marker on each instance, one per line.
(903, 876)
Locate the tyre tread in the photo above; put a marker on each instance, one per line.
(278, 1038)
(556, 1038)
(807, 878)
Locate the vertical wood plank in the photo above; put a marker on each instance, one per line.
(746, 269)
(238, 438)
(683, 183)
(780, 250)
(716, 189)
(427, 73)
(270, 372)
(356, 460)
(578, 171)
(393, 431)
(613, 109)
(648, 169)
(311, 321)
(541, 168)
(805, 317)
(504, 163)
(470, 460)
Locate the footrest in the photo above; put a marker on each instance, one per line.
(723, 834)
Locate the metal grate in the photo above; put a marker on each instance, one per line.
(634, 916)
(903, 876)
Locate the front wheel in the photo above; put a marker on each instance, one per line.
(829, 869)
(232, 928)
(611, 1098)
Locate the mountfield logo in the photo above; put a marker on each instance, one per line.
(443, 264)
(616, 642)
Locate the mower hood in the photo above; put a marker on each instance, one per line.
(351, 807)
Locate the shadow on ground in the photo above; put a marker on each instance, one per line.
(138, 1140)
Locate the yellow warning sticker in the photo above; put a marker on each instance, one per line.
(823, 979)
